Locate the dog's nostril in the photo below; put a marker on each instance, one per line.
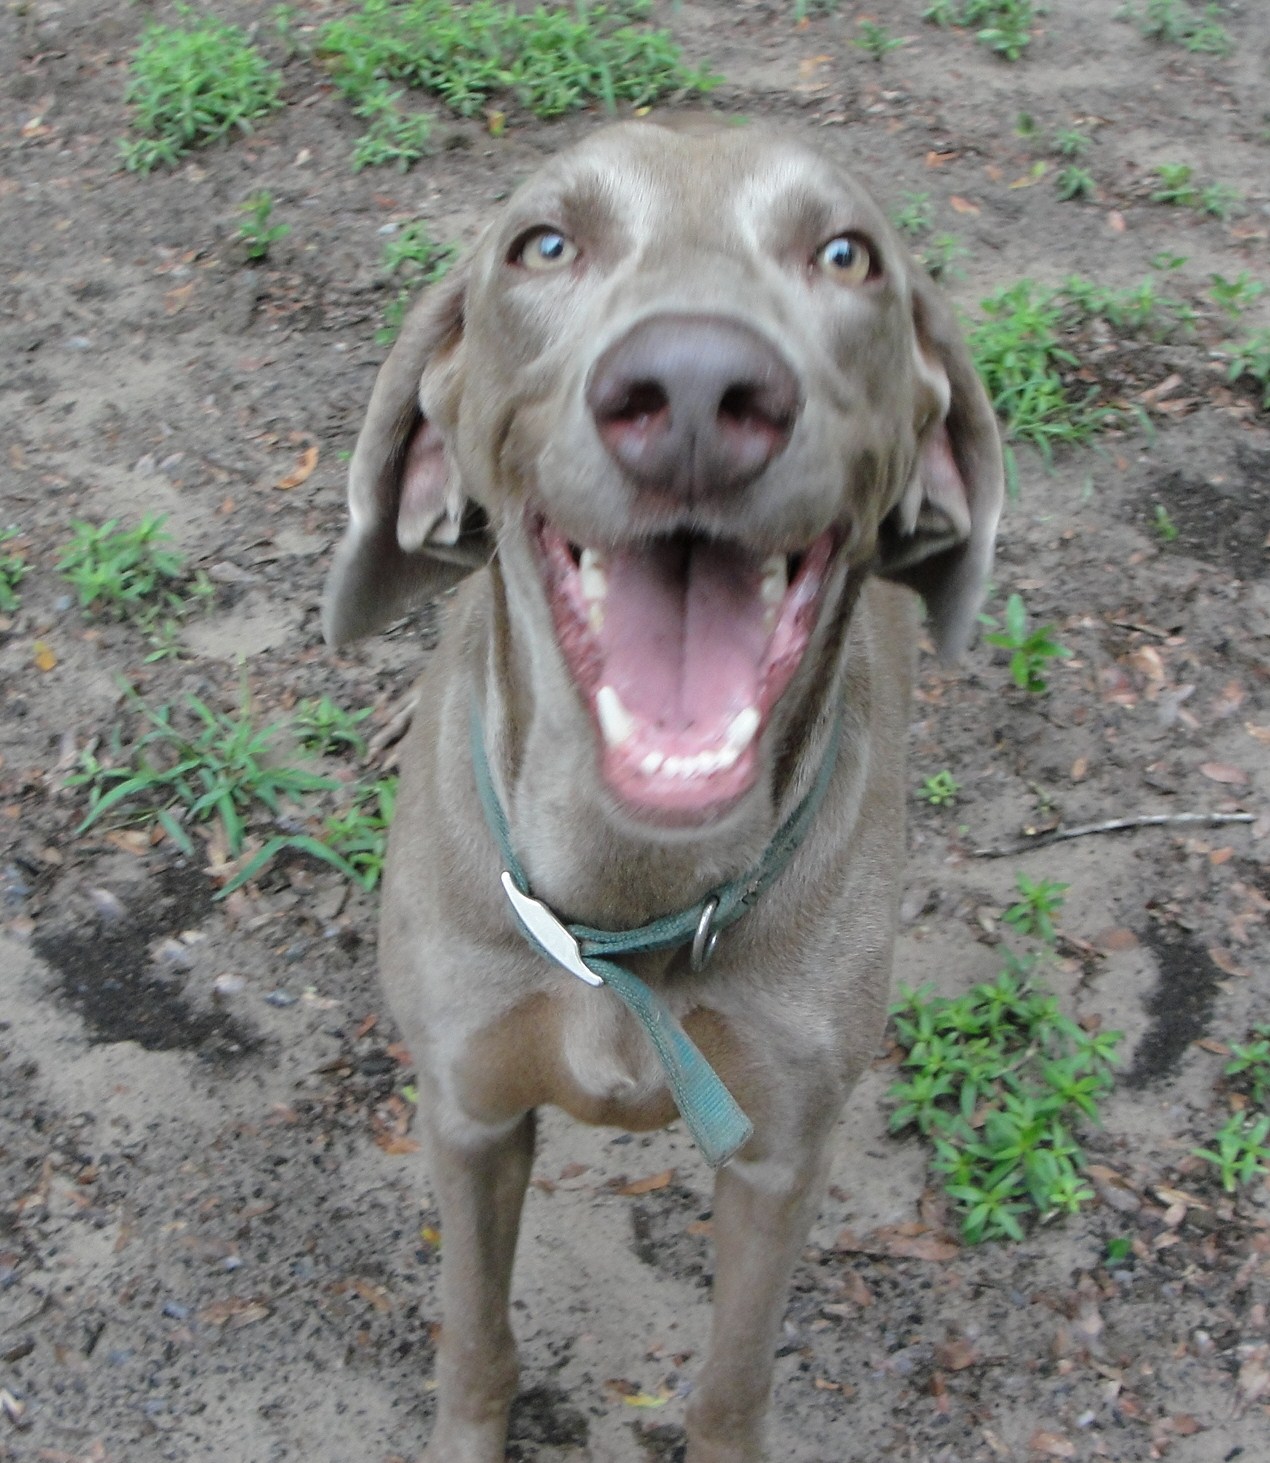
(640, 399)
(746, 405)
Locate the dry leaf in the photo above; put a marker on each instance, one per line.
(235, 1312)
(1225, 772)
(177, 299)
(1116, 939)
(1258, 733)
(1226, 962)
(396, 1144)
(956, 1355)
(1116, 221)
(1051, 1445)
(648, 1185)
(1080, 767)
(45, 656)
(302, 471)
(1210, 1044)
(964, 205)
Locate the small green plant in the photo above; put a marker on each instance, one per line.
(123, 572)
(192, 83)
(1004, 26)
(1134, 310)
(323, 726)
(213, 766)
(1241, 1153)
(940, 12)
(1219, 200)
(256, 233)
(997, 1080)
(549, 60)
(13, 569)
(1075, 182)
(1175, 23)
(1234, 296)
(939, 256)
(394, 136)
(1072, 143)
(1251, 358)
(412, 259)
(1176, 186)
(940, 789)
(1250, 1065)
(1119, 1249)
(875, 40)
(1033, 912)
(1030, 650)
(915, 216)
(1164, 525)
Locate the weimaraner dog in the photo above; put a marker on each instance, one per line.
(701, 426)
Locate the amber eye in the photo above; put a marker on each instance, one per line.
(846, 260)
(545, 249)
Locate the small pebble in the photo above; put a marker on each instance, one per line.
(280, 998)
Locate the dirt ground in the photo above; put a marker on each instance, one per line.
(212, 1245)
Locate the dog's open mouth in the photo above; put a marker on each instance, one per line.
(680, 647)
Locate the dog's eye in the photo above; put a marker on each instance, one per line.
(846, 259)
(545, 249)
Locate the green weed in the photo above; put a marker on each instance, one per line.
(192, 83)
(1220, 200)
(13, 569)
(1164, 524)
(940, 789)
(128, 573)
(940, 254)
(1072, 143)
(323, 726)
(1004, 26)
(1030, 650)
(256, 234)
(1134, 310)
(875, 40)
(212, 766)
(1251, 358)
(1032, 914)
(1241, 1153)
(412, 259)
(394, 136)
(549, 60)
(1075, 182)
(1176, 186)
(997, 1080)
(1250, 1065)
(915, 217)
(1234, 296)
(1174, 23)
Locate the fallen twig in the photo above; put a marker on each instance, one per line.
(1112, 825)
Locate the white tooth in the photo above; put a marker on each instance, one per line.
(595, 615)
(741, 729)
(592, 575)
(651, 764)
(775, 580)
(616, 723)
(727, 756)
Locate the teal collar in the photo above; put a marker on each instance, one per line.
(708, 1108)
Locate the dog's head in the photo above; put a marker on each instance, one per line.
(689, 383)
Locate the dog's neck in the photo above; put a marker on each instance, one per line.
(584, 856)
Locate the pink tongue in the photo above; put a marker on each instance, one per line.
(683, 639)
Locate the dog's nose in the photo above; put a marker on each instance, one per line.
(694, 405)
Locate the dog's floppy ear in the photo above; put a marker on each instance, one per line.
(938, 539)
(412, 533)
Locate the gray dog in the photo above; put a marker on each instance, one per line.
(696, 417)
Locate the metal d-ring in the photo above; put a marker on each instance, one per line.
(706, 938)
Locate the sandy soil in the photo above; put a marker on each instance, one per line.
(212, 1245)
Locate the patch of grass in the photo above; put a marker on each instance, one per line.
(915, 217)
(13, 569)
(875, 40)
(1164, 525)
(323, 726)
(1072, 143)
(998, 1081)
(1251, 358)
(940, 254)
(1220, 200)
(193, 767)
(550, 60)
(1004, 26)
(129, 573)
(256, 234)
(1241, 1153)
(1030, 650)
(1234, 296)
(1134, 310)
(1176, 185)
(1032, 914)
(940, 789)
(190, 84)
(412, 259)
(1172, 22)
(394, 136)
(1075, 182)
(1250, 1066)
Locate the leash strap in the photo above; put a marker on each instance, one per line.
(712, 1114)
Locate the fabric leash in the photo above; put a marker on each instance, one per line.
(710, 1111)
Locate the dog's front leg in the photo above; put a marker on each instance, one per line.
(480, 1187)
(762, 1212)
